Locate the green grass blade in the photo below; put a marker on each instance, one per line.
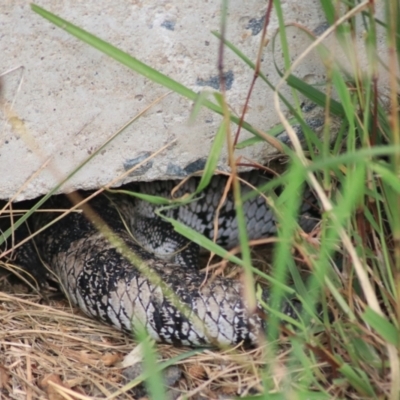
(208, 244)
(160, 366)
(276, 130)
(384, 328)
(358, 379)
(287, 204)
(292, 395)
(198, 104)
(119, 55)
(316, 95)
(214, 155)
(132, 62)
(157, 200)
(154, 380)
(387, 175)
(362, 155)
(307, 90)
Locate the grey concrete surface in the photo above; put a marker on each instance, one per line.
(61, 99)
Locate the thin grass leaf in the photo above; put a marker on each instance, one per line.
(382, 326)
(315, 95)
(362, 155)
(132, 62)
(157, 200)
(304, 362)
(118, 55)
(390, 178)
(282, 35)
(279, 315)
(276, 130)
(288, 212)
(213, 157)
(358, 379)
(244, 246)
(159, 367)
(285, 47)
(268, 187)
(198, 104)
(345, 97)
(208, 244)
(334, 290)
(199, 239)
(154, 380)
(292, 395)
(329, 10)
(366, 352)
(307, 90)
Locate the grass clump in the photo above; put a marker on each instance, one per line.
(346, 272)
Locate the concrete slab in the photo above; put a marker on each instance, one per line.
(61, 99)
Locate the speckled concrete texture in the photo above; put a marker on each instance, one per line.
(61, 99)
